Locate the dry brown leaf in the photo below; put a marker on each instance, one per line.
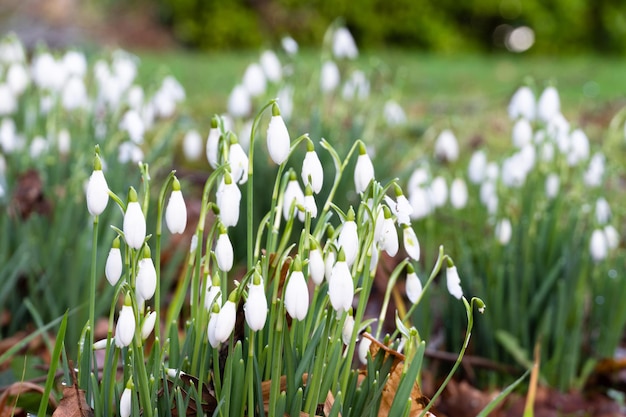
(73, 404)
(10, 396)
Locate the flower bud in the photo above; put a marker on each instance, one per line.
(148, 324)
(224, 252)
(297, 293)
(176, 210)
(341, 287)
(125, 328)
(278, 141)
(146, 276)
(363, 171)
(97, 189)
(225, 321)
(113, 267)
(255, 308)
(413, 285)
(134, 222)
(453, 282)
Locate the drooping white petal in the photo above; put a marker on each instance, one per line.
(211, 330)
(293, 192)
(255, 308)
(446, 146)
(148, 325)
(97, 193)
(176, 213)
(522, 104)
(312, 171)
(411, 243)
(316, 266)
(364, 348)
(228, 199)
(125, 328)
(363, 172)
(413, 287)
(598, 245)
(504, 231)
(458, 193)
(224, 252)
(225, 321)
(453, 282)
(341, 287)
(134, 225)
(278, 141)
(126, 403)
(212, 147)
(297, 296)
(349, 240)
(146, 278)
(113, 267)
(238, 163)
(346, 331)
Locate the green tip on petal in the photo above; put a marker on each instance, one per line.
(256, 279)
(297, 264)
(450, 262)
(387, 212)
(308, 190)
(132, 195)
(215, 308)
(127, 300)
(410, 269)
(97, 163)
(215, 122)
(228, 179)
(116, 243)
(275, 109)
(310, 146)
(175, 184)
(350, 216)
(233, 296)
(397, 190)
(215, 281)
(362, 150)
(232, 138)
(146, 251)
(292, 175)
(341, 257)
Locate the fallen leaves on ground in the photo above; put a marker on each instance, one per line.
(73, 404)
(10, 399)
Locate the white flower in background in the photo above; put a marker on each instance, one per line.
(146, 276)
(297, 293)
(340, 286)
(492, 172)
(113, 266)
(97, 190)
(224, 251)
(17, 78)
(11, 49)
(549, 104)
(74, 94)
(176, 210)
(289, 45)
(312, 170)
(134, 222)
(329, 77)
(603, 211)
(211, 328)
(125, 328)
(394, 114)
(124, 68)
(522, 104)
(148, 324)
(293, 196)
(438, 191)
(255, 308)
(213, 144)
(458, 193)
(347, 330)
(522, 133)
(192, 145)
(418, 179)
(254, 80)
(135, 97)
(75, 63)
(126, 402)
(547, 151)
(47, 73)
(129, 152)
(504, 231)
(329, 263)
(598, 246)
(271, 66)
(579, 150)
(225, 321)
(278, 140)
(309, 204)
(285, 98)
(348, 239)
(446, 146)
(421, 203)
(213, 292)
(401, 208)
(612, 236)
(133, 124)
(453, 282)
(385, 233)
(228, 199)
(363, 170)
(553, 184)
(413, 285)
(8, 103)
(558, 129)
(316, 264)
(356, 87)
(410, 242)
(344, 45)
(239, 102)
(595, 171)
(364, 348)
(37, 147)
(238, 163)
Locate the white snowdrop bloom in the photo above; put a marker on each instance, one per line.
(316, 265)
(135, 97)
(238, 163)
(446, 146)
(146, 277)
(254, 80)
(522, 104)
(125, 328)
(8, 103)
(297, 296)
(102, 344)
(579, 150)
(37, 147)
(124, 67)
(553, 184)
(514, 171)
(255, 308)
(192, 145)
(419, 178)
(312, 171)
(612, 236)
(224, 252)
(173, 88)
(394, 113)
(17, 78)
(164, 105)
(309, 205)
(133, 124)
(329, 263)
(293, 195)
(548, 105)
(348, 239)
(413, 286)
(421, 203)
(228, 199)
(129, 152)
(558, 129)
(410, 242)
(46, 102)
(212, 146)
(285, 98)
(329, 77)
(385, 233)
(504, 231)
(340, 287)
(47, 73)
(438, 191)
(458, 193)
(289, 45)
(225, 321)
(547, 151)
(11, 50)
(211, 330)
(113, 266)
(603, 211)
(522, 133)
(213, 293)
(344, 45)
(363, 170)
(278, 140)
(453, 282)
(97, 190)
(239, 102)
(148, 324)
(364, 348)
(401, 208)
(176, 210)
(134, 222)
(595, 171)
(598, 246)
(492, 173)
(271, 66)
(356, 87)
(74, 94)
(126, 403)
(347, 330)
(75, 63)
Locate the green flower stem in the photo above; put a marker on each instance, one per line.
(143, 167)
(118, 201)
(249, 380)
(315, 379)
(85, 381)
(390, 285)
(217, 377)
(276, 363)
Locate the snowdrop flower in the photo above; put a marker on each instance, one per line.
(239, 103)
(17, 79)
(413, 285)
(309, 204)
(212, 144)
(348, 239)
(224, 251)
(11, 49)
(129, 152)
(297, 293)
(126, 401)
(8, 103)
(146, 276)
(192, 145)
(176, 210)
(278, 141)
(271, 66)
(447, 147)
(453, 281)
(549, 104)
(148, 324)
(410, 242)
(293, 195)
(438, 191)
(522, 104)
(419, 178)
(347, 329)
(64, 142)
(125, 328)
(213, 292)
(134, 222)
(458, 193)
(394, 114)
(289, 45)
(329, 77)
(357, 86)
(254, 80)
(212, 326)
(611, 235)
(504, 231)
(401, 208)
(133, 124)
(553, 183)
(595, 171)
(228, 200)
(329, 263)
(522, 133)
(97, 189)
(312, 170)
(579, 150)
(316, 264)
(364, 348)
(135, 98)
(340, 285)
(238, 161)
(477, 167)
(285, 98)
(47, 73)
(363, 171)
(255, 308)
(226, 320)
(603, 211)
(343, 44)
(598, 246)
(74, 94)
(113, 266)
(421, 203)
(37, 147)
(385, 232)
